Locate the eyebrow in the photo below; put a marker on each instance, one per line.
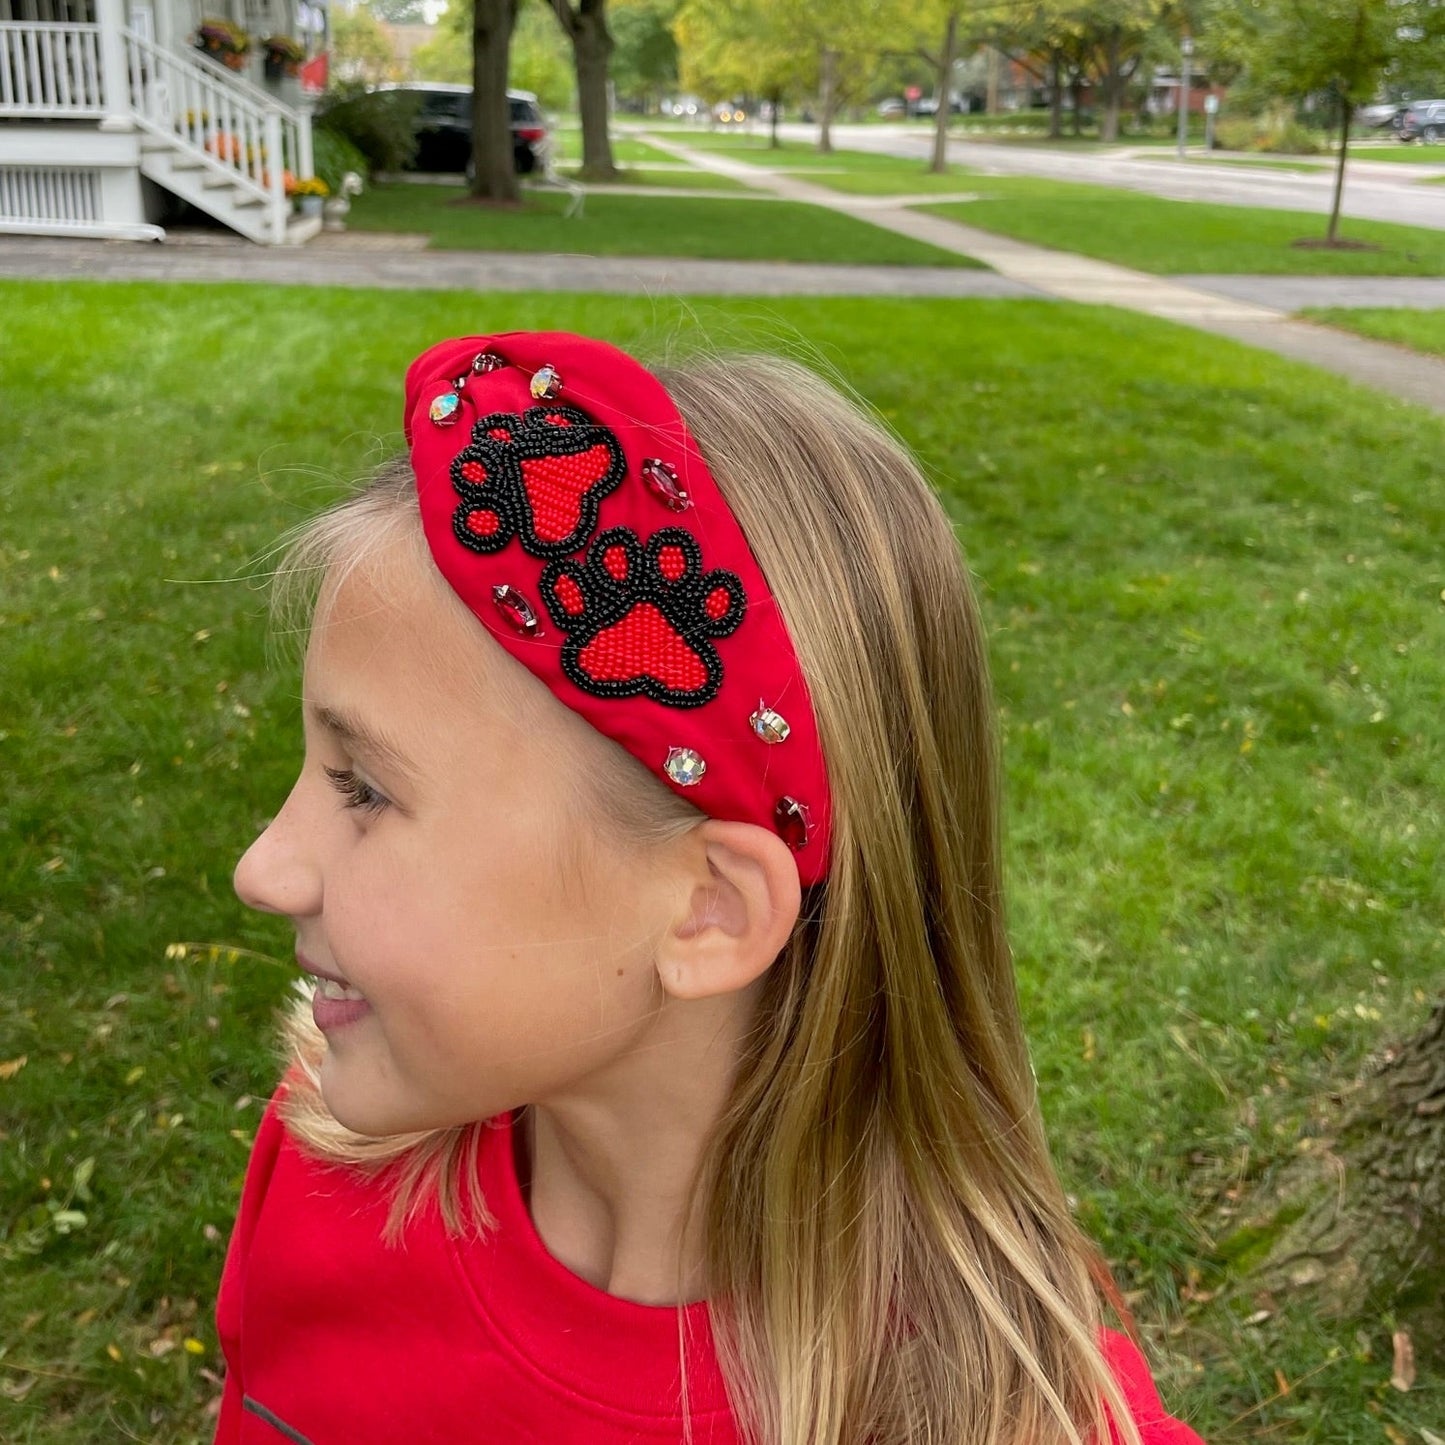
(349, 729)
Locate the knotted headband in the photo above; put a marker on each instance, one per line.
(569, 507)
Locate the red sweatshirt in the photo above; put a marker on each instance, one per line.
(333, 1338)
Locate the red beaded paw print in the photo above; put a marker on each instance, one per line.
(537, 475)
(642, 621)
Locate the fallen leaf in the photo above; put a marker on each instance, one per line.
(1281, 1383)
(11, 1067)
(114, 1352)
(1395, 1435)
(1403, 1375)
(1430, 1437)
(1259, 1317)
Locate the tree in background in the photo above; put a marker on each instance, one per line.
(398, 12)
(644, 54)
(1339, 48)
(584, 23)
(740, 48)
(773, 47)
(360, 48)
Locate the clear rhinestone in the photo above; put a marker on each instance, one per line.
(485, 361)
(444, 408)
(684, 766)
(771, 726)
(546, 383)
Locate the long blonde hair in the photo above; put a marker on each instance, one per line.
(889, 1254)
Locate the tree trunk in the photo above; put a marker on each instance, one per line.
(775, 99)
(1076, 90)
(1056, 96)
(1357, 1223)
(1111, 83)
(827, 98)
(586, 27)
(1332, 235)
(944, 90)
(494, 174)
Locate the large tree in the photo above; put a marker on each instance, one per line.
(494, 172)
(1356, 1222)
(585, 24)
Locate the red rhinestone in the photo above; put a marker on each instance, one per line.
(790, 818)
(661, 480)
(515, 608)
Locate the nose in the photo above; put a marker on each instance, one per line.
(280, 872)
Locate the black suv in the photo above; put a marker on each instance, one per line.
(1425, 120)
(443, 127)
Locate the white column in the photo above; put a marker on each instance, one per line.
(114, 82)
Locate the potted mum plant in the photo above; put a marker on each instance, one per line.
(283, 56)
(309, 193)
(224, 41)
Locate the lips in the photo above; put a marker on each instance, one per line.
(335, 1003)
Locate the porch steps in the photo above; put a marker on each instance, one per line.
(218, 190)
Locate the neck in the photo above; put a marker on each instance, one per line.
(606, 1171)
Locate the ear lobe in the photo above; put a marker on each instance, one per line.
(740, 911)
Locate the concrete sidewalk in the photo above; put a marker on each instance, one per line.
(1071, 277)
(372, 259)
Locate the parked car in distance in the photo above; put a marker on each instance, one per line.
(893, 109)
(443, 128)
(1388, 113)
(1424, 120)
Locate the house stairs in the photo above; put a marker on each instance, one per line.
(89, 108)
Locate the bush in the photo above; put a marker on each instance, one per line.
(333, 155)
(377, 123)
(1278, 131)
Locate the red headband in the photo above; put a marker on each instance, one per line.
(568, 506)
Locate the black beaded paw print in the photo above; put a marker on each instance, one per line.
(642, 621)
(538, 475)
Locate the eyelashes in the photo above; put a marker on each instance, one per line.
(354, 792)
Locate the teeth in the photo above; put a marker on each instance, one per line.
(329, 988)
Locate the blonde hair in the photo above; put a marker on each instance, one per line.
(889, 1254)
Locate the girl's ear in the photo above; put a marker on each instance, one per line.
(741, 904)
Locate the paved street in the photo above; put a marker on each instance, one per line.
(1381, 191)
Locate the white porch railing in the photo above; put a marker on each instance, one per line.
(235, 129)
(50, 70)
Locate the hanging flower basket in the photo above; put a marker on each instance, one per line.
(283, 56)
(223, 41)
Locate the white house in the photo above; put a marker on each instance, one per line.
(108, 105)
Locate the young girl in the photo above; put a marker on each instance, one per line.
(662, 1076)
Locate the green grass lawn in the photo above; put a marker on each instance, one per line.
(1422, 330)
(1211, 580)
(1416, 153)
(685, 178)
(1188, 237)
(743, 230)
(626, 150)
